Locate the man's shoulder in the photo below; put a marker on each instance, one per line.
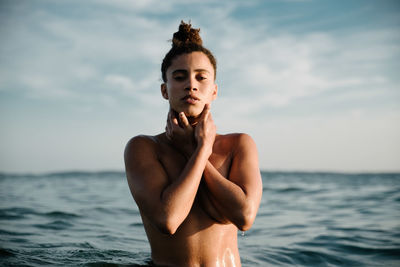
(139, 139)
(141, 143)
(234, 138)
(234, 141)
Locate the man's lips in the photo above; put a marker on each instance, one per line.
(190, 99)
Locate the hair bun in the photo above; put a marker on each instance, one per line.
(186, 35)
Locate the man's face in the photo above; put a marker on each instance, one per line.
(190, 84)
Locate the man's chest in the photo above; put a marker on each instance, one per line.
(174, 162)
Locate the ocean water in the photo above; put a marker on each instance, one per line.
(305, 219)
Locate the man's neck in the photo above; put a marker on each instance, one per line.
(192, 120)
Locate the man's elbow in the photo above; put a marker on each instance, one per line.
(244, 225)
(246, 219)
(167, 226)
(167, 229)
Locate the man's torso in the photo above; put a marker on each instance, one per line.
(200, 240)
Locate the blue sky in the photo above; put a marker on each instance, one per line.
(315, 83)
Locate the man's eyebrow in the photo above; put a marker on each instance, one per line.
(201, 70)
(185, 71)
(179, 71)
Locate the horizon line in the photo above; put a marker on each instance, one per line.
(111, 171)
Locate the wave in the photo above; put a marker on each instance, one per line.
(6, 252)
(64, 174)
(267, 174)
(61, 214)
(16, 213)
(280, 256)
(305, 219)
(55, 225)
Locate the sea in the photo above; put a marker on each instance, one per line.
(305, 219)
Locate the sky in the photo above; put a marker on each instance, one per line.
(316, 83)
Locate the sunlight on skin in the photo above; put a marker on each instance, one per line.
(229, 258)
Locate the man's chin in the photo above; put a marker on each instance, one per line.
(193, 115)
(190, 113)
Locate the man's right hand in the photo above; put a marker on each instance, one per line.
(205, 129)
(185, 138)
(180, 133)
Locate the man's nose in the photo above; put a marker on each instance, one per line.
(191, 85)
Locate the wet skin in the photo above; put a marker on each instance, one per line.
(194, 188)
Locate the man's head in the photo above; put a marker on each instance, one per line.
(188, 71)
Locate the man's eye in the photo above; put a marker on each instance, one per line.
(179, 78)
(200, 78)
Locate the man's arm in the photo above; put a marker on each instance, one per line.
(208, 204)
(239, 196)
(168, 204)
(165, 204)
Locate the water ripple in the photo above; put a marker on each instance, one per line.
(55, 225)
(305, 219)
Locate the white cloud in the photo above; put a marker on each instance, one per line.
(105, 59)
(43, 87)
(277, 70)
(67, 57)
(120, 82)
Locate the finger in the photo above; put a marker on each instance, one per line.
(206, 112)
(184, 120)
(207, 107)
(176, 128)
(173, 120)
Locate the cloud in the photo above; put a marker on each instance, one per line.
(42, 87)
(120, 82)
(258, 67)
(49, 55)
(101, 59)
(277, 70)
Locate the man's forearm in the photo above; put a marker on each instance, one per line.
(229, 198)
(179, 196)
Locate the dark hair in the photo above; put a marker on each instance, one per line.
(185, 41)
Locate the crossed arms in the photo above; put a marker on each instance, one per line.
(167, 202)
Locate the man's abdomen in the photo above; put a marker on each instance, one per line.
(199, 241)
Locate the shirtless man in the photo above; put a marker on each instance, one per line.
(194, 188)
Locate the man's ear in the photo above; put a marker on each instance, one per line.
(164, 91)
(215, 92)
